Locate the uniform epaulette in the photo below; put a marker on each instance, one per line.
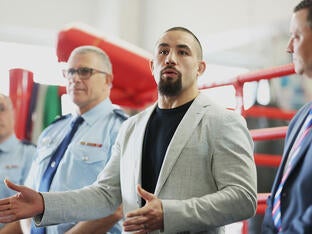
(121, 114)
(60, 118)
(27, 142)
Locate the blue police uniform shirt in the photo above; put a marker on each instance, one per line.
(15, 161)
(86, 155)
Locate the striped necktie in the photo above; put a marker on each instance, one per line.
(276, 212)
(52, 167)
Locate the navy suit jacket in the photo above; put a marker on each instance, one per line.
(296, 196)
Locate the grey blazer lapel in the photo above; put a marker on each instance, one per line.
(137, 148)
(182, 134)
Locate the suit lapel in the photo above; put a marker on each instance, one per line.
(137, 147)
(292, 137)
(180, 138)
(302, 152)
(288, 146)
(294, 133)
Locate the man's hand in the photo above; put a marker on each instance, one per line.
(25, 204)
(145, 219)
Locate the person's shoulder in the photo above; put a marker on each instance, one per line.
(56, 125)
(216, 112)
(27, 142)
(27, 148)
(305, 108)
(301, 113)
(120, 114)
(212, 107)
(60, 118)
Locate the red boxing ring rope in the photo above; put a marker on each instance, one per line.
(238, 81)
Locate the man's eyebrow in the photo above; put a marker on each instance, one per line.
(182, 46)
(163, 45)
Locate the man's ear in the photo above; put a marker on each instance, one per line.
(201, 68)
(152, 66)
(109, 79)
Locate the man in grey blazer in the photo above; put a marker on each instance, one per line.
(184, 165)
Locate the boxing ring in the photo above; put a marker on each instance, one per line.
(126, 92)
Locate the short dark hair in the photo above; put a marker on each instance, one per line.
(305, 4)
(192, 34)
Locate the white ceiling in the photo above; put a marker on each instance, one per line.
(141, 21)
(245, 33)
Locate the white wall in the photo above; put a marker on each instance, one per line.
(243, 33)
(140, 21)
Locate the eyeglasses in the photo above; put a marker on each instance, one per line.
(84, 73)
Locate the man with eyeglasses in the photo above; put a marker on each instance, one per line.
(89, 80)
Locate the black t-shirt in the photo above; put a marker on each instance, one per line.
(159, 131)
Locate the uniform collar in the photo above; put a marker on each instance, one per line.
(8, 144)
(103, 108)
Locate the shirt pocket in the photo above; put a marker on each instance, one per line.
(88, 154)
(89, 161)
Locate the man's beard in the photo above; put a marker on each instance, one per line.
(168, 87)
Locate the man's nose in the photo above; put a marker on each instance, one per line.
(171, 58)
(75, 77)
(290, 47)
